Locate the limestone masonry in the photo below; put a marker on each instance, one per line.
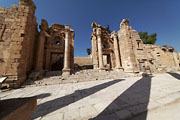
(26, 53)
(24, 50)
(125, 51)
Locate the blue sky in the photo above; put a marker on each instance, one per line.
(160, 16)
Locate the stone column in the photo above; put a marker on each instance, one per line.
(41, 43)
(100, 54)
(95, 62)
(40, 51)
(116, 51)
(72, 50)
(67, 68)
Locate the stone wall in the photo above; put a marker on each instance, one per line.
(18, 30)
(29, 35)
(83, 61)
(162, 59)
(132, 50)
(25, 52)
(127, 49)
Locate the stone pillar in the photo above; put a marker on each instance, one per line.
(100, 54)
(72, 50)
(41, 42)
(40, 52)
(116, 51)
(95, 62)
(67, 68)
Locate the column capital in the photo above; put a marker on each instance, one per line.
(93, 36)
(114, 35)
(67, 28)
(98, 31)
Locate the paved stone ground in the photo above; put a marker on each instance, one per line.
(114, 99)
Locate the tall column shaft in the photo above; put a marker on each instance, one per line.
(67, 69)
(66, 53)
(40, 51)
(100, 54)
(116, 51)
(95, 62)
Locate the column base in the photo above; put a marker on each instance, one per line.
(36, 74)
(101, 69)
(119, 69)
(95, 66)
(66, 72)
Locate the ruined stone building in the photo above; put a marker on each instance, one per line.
(24, 50)
(125, 51)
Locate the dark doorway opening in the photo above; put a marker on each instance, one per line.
(107, 61)
(142, 66)
(57, 62)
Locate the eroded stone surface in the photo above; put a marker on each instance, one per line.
(125, 51)
(24, 50)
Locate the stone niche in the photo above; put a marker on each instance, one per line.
(24, 50)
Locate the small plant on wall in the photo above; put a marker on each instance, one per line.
(88, 50)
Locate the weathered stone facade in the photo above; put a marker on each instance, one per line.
(55, 47)
(126, 52)
(83, 63)
(23, 49)
(162, 59)
(26, 52)
(105, 49)
(18, 29)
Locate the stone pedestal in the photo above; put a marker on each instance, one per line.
(66, 72)
(67, 69)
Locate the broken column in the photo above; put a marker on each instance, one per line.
(100, 54)
(67, 69)
(41, 43)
